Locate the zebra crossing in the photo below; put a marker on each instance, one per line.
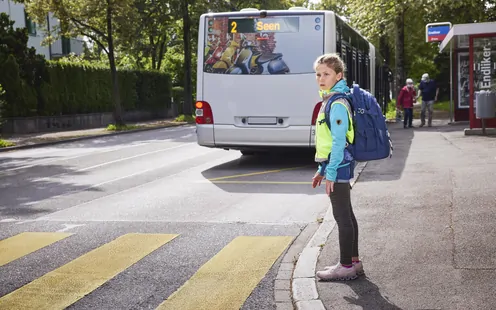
(225, 281)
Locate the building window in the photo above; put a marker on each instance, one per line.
(66, 46)
(30, 25)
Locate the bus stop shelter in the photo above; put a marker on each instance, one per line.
(473, 68)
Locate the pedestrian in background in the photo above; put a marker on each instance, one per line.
(405, 101)
(429, 92)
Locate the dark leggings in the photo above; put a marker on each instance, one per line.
(346, 221)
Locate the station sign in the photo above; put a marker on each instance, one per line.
(436, 32)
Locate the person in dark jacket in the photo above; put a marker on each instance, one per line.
(405, 101)
(429, 92)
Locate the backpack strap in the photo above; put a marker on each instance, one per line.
(330, 101)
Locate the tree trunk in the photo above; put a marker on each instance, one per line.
(113, 70)
(384, 46)
(161, 53)
(188, 91)
(400, 51)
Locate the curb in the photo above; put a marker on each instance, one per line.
(42, 144)
(304, 289)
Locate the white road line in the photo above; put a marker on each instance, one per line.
(96, 152)
(32, 203)
(69, 226)
(8, 220)
(125, 190)
(111, 162)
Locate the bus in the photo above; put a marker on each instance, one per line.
(256, 89)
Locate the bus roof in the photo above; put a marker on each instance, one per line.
(256, 12)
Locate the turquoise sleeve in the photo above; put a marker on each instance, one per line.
(339, 127)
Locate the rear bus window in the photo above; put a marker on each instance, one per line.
(271, 45)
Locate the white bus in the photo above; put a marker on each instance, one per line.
(256, 88)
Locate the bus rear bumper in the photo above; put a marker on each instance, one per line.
(232, 137)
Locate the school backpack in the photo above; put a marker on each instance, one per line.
(372, 140)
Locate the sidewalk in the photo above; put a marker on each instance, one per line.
(46, 138)
(427, 220)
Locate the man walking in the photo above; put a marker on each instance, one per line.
(429, 92)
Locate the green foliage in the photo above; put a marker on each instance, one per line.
(153, 89)
(178, 94)
(185, 118)
(4, 143)
(113, 127)
(391, 110)
(22, 71)
(442, 106)
(77, 88)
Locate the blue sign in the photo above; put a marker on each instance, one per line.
(437, 33)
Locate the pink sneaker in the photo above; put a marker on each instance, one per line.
(358, 268)
(338, 272)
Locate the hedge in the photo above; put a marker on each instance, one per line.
(73, 88)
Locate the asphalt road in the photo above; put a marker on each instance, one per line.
(147, 220)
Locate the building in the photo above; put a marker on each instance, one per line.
(57, 49)
(474, 68)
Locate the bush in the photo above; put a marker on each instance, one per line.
(75, 88)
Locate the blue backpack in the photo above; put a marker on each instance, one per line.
(372, 140)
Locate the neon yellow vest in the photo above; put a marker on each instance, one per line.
(323, 137)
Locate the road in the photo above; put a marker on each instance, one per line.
(148, 220)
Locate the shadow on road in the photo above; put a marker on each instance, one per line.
(368, 296)
(19, 192)
(274, 173)
(26, 180)
(391, 169)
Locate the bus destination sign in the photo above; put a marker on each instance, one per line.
(254, 25)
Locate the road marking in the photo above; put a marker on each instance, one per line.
(118, 179)
(261, 182)
(47, 217)
(91, 153)
(9, 220)
(228, 279)
(256, 173)
(25, 243)
(111, 162)
(64, 286)
(69, 226)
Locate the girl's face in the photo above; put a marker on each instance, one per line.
(327, 77)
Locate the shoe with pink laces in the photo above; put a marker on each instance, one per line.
(338, 272)
(358, 268)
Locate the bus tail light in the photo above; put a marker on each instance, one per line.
(204, 113)
(316, 110)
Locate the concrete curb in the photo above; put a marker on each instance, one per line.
(42, 144)
(304, 289)
(282, 289)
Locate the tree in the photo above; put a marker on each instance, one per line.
(20, 67)
(188, 85)
(146, 41)
(98, 20)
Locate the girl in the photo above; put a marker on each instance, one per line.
(337, 164)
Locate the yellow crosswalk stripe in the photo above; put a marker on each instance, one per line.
(25, 243)
(64, 286)
(226, 281)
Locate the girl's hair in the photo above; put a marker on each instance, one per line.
(333, 61)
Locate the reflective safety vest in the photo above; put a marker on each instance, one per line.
(323, 137)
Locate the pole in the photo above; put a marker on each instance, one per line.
(451, 81)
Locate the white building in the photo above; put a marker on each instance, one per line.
(59, 48)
